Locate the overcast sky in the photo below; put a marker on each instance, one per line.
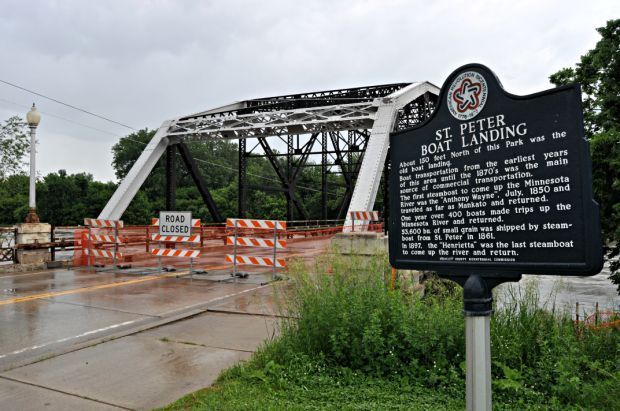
(142, 62)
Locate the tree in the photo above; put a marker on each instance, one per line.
(14, 144)
(598, 72)
(13, 198)
(216, 160)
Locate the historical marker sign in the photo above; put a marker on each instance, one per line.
(175, 223)
(495, 183)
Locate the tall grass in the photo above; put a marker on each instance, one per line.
(537, 349)
(342, 316)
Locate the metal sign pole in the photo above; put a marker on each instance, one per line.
(191, 268)
(478, 360)
(478, 308)
(353, 222)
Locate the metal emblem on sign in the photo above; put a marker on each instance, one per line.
(467, 95)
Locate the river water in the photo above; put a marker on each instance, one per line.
(563, 292)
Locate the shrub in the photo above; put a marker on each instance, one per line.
(343, 316)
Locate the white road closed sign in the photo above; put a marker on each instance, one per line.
(175, 222)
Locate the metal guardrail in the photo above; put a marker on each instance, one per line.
(64, 240)
(7, 244)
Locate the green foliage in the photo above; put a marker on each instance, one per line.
(537, 352)
(14, 144)
(598, 72)
(217, 161)
(350, 320)
(63, 199)
(307, 384)
(350, 343)
(13, 199)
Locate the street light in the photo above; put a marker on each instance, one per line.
(33, 118)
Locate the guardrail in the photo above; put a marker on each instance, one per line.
(69, 242)
(7, 244)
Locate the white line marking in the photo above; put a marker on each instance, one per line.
(35, 347)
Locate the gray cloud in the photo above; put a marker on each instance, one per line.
(141, 62)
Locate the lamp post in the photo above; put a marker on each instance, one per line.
(33, 118)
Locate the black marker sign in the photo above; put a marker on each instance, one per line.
(494, 182)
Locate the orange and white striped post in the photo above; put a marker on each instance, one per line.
(363, 216)
(234, 273)
(275, 248)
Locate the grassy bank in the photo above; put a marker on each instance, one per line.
(353, 344)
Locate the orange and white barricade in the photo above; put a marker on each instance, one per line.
(264, 261)
(175, 238)
(256, 242)
(99, 223)
(251, 223)
(364, 217)
(103, 253)
(275, 243)
(196, 225)
(173, 252)
(100, 239)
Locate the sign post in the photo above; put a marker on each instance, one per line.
(490, 187)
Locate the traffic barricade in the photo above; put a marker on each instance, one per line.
(93, 240)
(363, 217)
(196, 225)
(275, 243)
(175, 239)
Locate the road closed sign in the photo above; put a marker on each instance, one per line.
(175, 222)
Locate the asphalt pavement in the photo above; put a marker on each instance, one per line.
(80, 339)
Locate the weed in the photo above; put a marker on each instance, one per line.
(351, 343)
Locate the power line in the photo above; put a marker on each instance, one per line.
(133, 128)
(68, 105)
(63, 118)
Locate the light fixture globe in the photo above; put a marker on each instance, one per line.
(33, 117)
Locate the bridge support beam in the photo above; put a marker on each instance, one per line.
(369, 177)
(200, 182)
(141, 169)
(171, 178)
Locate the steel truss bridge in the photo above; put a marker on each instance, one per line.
(348, 128)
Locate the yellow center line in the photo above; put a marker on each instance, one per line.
(79, 290)
(112, 285)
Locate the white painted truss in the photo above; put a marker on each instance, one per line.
(299, 121)
(252, 118)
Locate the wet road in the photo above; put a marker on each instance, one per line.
(75, 338)
(137, 371)
(83, 305)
